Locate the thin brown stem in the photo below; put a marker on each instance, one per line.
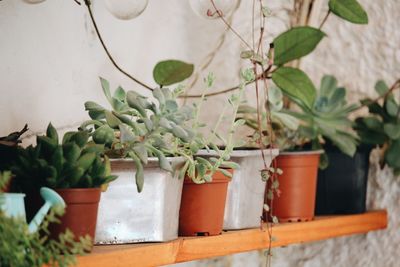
(395, 86)
(324, 20)
(88, 5)
(220, 15)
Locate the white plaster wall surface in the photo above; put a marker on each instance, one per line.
(51, 60)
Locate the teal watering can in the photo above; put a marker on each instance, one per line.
(13, 205)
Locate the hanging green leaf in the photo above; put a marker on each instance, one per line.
(296, 43)
(172, 71)
(349, 10)
(296, 85)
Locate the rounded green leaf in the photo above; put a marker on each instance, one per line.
(296, 43)
(349, 10)
(392, 130)
(172, 71)
(296, 85)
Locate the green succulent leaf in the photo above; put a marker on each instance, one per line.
(141, 152)
(86, 160)
(126, 134)
(120, 94)
(93, 106)
(296, 43)
(172, 71)
(328, 85)
(158, 94)
(134, 102)
(139, 176)
(349, 10)
(103, 135)
(226, 173)
(296, 85)
(80, 138)
(105, 85)
(51, 132)
(112, 120)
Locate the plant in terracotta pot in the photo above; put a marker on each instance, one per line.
(153, 141)
(301, 135)
(325, 120)
(76, 169)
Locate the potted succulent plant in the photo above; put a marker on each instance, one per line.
(342, 187)
(155, 142)
(76, 169)
(325, 120)
(301, 136)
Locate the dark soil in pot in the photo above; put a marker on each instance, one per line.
(342, 187)
(81, 212)
(202, 206)
(297, 187)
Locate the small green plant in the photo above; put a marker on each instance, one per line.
(382, 126)
(19, 247)
(138, 128)
(325, 118)
(75, 163)
(328, 118)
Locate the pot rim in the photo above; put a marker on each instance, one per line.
(241, 153)
(78, 189)
(295, 153)
(149, 159)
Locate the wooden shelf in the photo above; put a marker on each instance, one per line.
(230, 242)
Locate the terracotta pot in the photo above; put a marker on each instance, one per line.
(297, 187)
(81, 212)
(202, 206)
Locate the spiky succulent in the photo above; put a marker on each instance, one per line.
(75, 163)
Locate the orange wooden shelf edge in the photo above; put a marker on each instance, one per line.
(230, 242)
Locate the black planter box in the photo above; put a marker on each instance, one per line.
(342, 187)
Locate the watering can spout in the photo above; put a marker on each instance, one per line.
(51, 199)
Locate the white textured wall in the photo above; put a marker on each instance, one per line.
(50, 61)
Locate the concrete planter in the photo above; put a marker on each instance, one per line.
(245, 199)
(126, 216)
